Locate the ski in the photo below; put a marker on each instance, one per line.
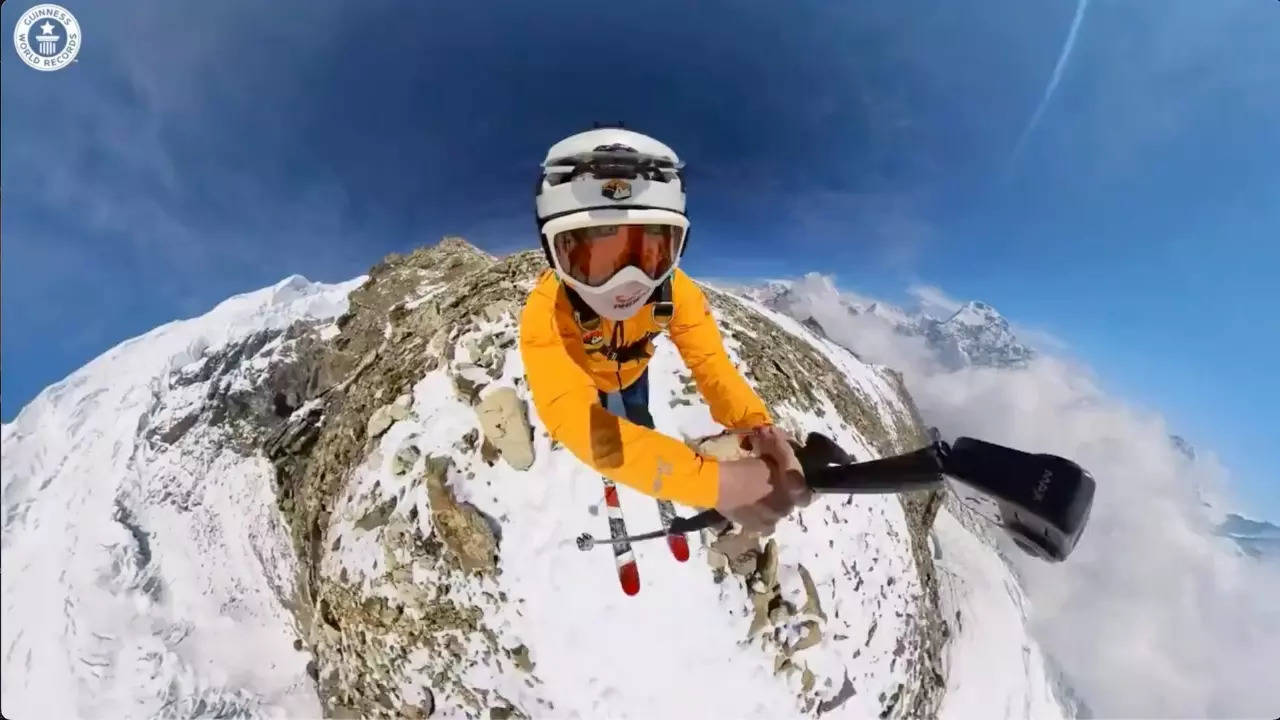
(628, 573)
(678, 543)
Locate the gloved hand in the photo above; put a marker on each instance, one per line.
(758, 492)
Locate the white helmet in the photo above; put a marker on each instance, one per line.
(611, 216)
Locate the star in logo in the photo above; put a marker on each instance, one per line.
(47, 28)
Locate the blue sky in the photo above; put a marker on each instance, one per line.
(196, 150)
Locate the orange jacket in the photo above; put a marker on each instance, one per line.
(566, 368)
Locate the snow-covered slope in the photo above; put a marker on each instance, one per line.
(185, 511)
(143, 578)
(994, 669)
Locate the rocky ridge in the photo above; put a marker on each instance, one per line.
(425, 311)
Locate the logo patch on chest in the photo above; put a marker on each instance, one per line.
(593, 339)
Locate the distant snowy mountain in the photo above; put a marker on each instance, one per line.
(299, 505)
(1258, 538)
(974, 335)
(1181, 445)
(1240, 526)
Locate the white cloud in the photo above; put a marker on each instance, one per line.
(1041, 340)
(933, 300)
(1152, 615)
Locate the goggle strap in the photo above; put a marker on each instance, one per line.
(663, 308)
(662, 313)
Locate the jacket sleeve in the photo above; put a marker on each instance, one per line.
(568, 404)
(693, 330)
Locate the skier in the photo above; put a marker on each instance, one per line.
(610, 208)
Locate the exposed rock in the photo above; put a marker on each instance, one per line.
(506, 426)
(768, 564)
(399, 410)
(405, 458)
(811, 635)
(379, 422)
(741, 549)
(469, 440)
(716, 559)
(520, 655)
(174, 432)
(812, 606)
(760, 614)
(460, 526)
(468, 390)
(423, 710)
(841, 697)
(495, 311)
(378, 516)
(780, 613)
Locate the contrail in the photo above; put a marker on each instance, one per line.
(1054, 79)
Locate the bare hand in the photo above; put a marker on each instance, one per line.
(758, 492)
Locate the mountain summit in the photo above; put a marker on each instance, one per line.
(301, 504)
(976, 334)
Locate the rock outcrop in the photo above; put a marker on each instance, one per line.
(452, 307)
(506, 426)
(354, 473)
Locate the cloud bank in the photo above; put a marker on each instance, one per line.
(1152, 615)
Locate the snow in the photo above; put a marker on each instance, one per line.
(151, 580)
(131, 588)
(994, 668)
(889, 313)
(974, 313)
(680, 647)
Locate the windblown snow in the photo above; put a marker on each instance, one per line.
(149, 576)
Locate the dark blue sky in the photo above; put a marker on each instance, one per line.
(196, 150)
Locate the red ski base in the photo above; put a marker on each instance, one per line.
(629, 576)
(679, 547)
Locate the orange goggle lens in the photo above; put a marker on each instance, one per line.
(593, 255)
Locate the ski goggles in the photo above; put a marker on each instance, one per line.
(592, 255)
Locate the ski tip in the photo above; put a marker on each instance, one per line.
(679, 547)
(629, 575)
